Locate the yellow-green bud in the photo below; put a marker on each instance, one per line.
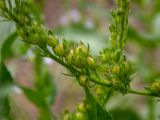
(83, 61)
(84, 49)
(59, 50)
(69, 58)
(115, 69)
(77, 62)
(91, 63)
(52, 41)
(82, 80)
(80, 116)
(66, 115)
(81, 107)
(155, 87)
(99, 91)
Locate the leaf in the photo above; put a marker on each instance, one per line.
(6, 81)
(94, 110)
(49, 88)
(34, 96)
(44, 82)
(6, 46)
(5, 76)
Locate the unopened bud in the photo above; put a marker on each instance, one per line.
(82, 80)
(91, 63)
(81, 107)
(115, 70)
(52, 41)
(155, 87)
(59, 50)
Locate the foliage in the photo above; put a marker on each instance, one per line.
(111, 71)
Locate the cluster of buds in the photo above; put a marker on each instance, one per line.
(116, 67)
(74, 55)
(77, 56)
(79, 114)
(19, 11)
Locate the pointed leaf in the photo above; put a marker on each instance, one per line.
(94, 110)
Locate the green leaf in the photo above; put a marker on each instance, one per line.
(6, 82)
(44, 82)
(34, 96)
(6, 50)
(94, 110)
(5, 76)
(49, 88)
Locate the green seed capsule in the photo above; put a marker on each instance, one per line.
(59, 50)
(52, 41)
(91, 63)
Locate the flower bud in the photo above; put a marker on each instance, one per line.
(35, 38)
(82, 80)
(80, 116)
(77, 62)
(20, 32)
(83, 62)
(68, 59)
(115, 69)
(66, 115)
(81, 107)
(99, 91)
(84, 49)
(155, 87)
(91, 63)
(52, 41)
(59, 50)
